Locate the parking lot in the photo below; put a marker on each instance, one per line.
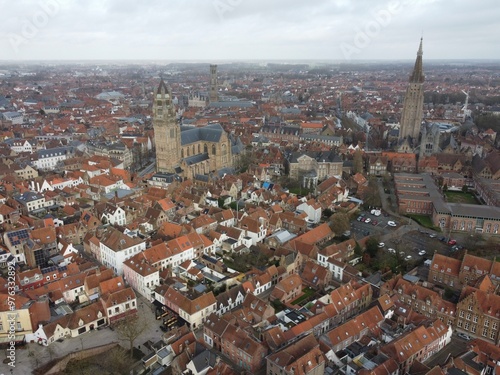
(410, 241)
(415, 242)
(373, 226)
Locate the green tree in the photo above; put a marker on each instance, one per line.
(371, 195)
(357, 163)
(372, 246)
(220, 202)
(129, 329)
(339, 223)
(327, 212)
(358, 250)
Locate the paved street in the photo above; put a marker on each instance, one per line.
(456, 347)
(42, 354)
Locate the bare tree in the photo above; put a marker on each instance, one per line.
(34, 358)
(117, 361)
(130, 329)
(51, 351)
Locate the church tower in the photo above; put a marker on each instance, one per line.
(411, 117)
(213, 95)
(167, 131)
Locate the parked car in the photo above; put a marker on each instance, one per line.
(359, 218)
(402, 254)
(452, 242)
(391, 223)
(408, 257)
(381, 244)
(432, 235)
(442, 239)
(422, 252)
(366, 233)
(463, 336)
(374, 222)
(368, 220)
(391, 250)
(363, 219)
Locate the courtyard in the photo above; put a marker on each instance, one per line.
(460, 197)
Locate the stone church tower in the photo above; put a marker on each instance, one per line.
(411, 117)
(213, 96)
(167, 131)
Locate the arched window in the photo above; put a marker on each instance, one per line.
(194, 152)
(187, 149)
(182, 153)
(213, 149)
(199, 148)
(205, 148)
(224, 149)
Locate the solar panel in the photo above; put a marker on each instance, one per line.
(16, 237)
(49, 269)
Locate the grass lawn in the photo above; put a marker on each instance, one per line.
(299, 191)
(244, 262)
(308, 292)
(460, 197)
(423, 220)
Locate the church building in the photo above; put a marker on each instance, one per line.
(185, 150)
(412, 114)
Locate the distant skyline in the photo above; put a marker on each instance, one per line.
(225, 30)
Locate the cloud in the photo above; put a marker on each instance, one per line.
(246, 29)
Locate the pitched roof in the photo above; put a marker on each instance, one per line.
(299, 358)
(446, 265)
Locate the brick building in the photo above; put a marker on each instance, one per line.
(478, 312)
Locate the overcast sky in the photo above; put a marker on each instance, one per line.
(218, 30)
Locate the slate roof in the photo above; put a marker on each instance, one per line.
(54, 151)
(320, 156)
(195, 159)
(230, 104)
(209, 133)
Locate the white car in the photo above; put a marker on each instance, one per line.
(381, 244)
(422, 252)
(391, 250)
(408, 257)
(368, 220)
(463, 336)
(391, 223)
